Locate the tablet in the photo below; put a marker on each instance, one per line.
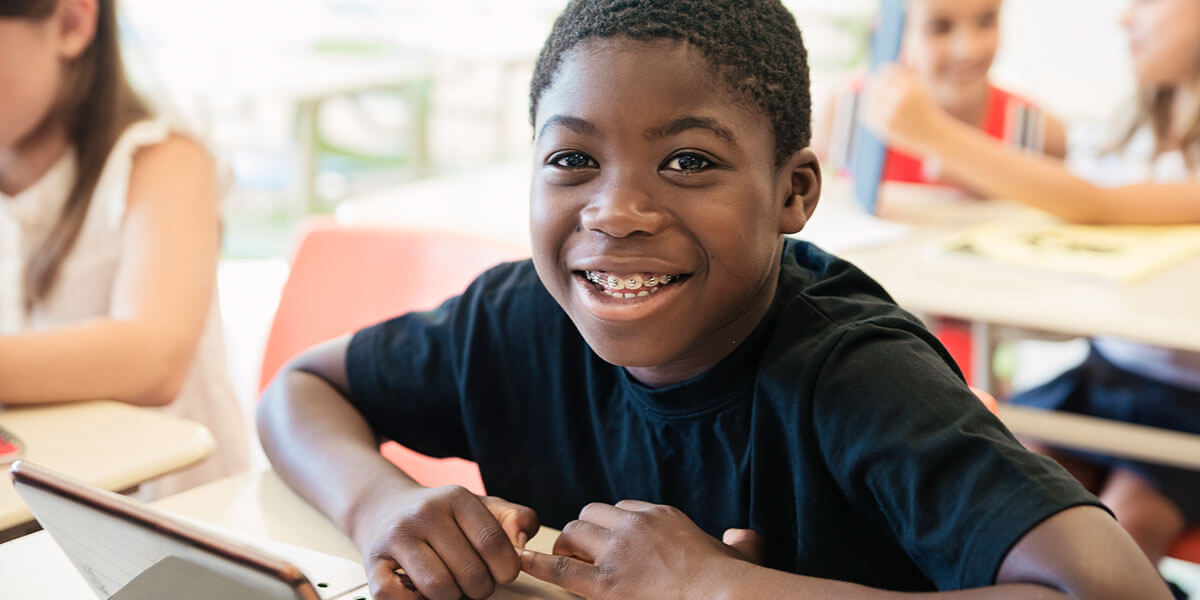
(127, 550)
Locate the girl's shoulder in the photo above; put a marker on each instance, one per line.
(149, 155)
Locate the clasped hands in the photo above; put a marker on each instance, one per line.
(447, 543)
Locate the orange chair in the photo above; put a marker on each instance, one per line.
(344, 278)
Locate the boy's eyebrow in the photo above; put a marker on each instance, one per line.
(682, 124)
(580, 126)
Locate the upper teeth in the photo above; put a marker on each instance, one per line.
(631, 282)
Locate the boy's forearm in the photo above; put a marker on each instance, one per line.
(323, 449)
(747, 581)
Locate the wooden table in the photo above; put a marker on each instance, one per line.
(109, 444)
(255, 504)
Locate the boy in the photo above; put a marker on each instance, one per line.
(668, 351)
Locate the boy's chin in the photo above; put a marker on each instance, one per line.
(625, 353)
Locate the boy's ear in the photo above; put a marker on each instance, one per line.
(804, 175)
(75, 24)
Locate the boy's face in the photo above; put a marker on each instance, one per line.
(657, 211)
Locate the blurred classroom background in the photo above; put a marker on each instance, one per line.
(313, 104)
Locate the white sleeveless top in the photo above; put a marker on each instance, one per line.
(1138, 163)
(85, 286)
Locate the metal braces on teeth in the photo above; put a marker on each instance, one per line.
(612, 281)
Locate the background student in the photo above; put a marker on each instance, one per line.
(109, 235)
(671, 373)
(949, 46)
(1150, 175)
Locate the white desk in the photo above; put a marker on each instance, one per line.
(256, 504)
(108, 444)
(1160, 310)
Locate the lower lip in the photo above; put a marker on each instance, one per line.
(610, 308)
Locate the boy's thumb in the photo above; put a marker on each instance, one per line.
(750, 543)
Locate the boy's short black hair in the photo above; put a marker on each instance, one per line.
(755, 44)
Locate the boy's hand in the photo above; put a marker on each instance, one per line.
(449, 542)
(640, 550)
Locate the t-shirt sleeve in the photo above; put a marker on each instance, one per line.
(404, 379)
(913, 448)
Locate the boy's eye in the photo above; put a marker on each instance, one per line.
(688, 162)
(572, 160)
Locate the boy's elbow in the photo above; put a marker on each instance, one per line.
(275, 401)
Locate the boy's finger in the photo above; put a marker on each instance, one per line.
(470, 571)
(567, 573)
(427, 572)
(516, 519)
(386, 584)
(581, 540)
(635, 505)
(604, 515)
(486, 540)
(749, 542)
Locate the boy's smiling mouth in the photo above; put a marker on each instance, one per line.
(630, 285)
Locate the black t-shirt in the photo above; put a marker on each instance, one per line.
(839, 429)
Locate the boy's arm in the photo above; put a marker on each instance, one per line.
(896, 107)
(641, 550)
(449, 541)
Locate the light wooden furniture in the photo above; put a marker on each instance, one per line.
(109, 444)
(255, 504)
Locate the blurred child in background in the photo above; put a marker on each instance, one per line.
(109, 235)
(949, 46)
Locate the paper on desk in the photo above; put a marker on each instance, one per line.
(841, 227)
(338, 574)
(1118, 253)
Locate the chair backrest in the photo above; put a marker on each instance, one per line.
(344, 278)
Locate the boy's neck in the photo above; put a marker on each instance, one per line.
(25, 163)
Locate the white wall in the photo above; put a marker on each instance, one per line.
(1069, 55)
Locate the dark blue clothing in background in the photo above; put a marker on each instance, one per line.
(838, 429)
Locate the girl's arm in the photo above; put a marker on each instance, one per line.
(896, 107)
(142, 351)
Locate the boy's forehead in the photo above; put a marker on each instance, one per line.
(594, 67)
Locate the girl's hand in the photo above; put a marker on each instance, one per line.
(640, 550)
(897, 108)
(449, 543)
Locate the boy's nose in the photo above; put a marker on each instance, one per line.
(622, 209)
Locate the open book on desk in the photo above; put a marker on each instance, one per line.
(1115, 253)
